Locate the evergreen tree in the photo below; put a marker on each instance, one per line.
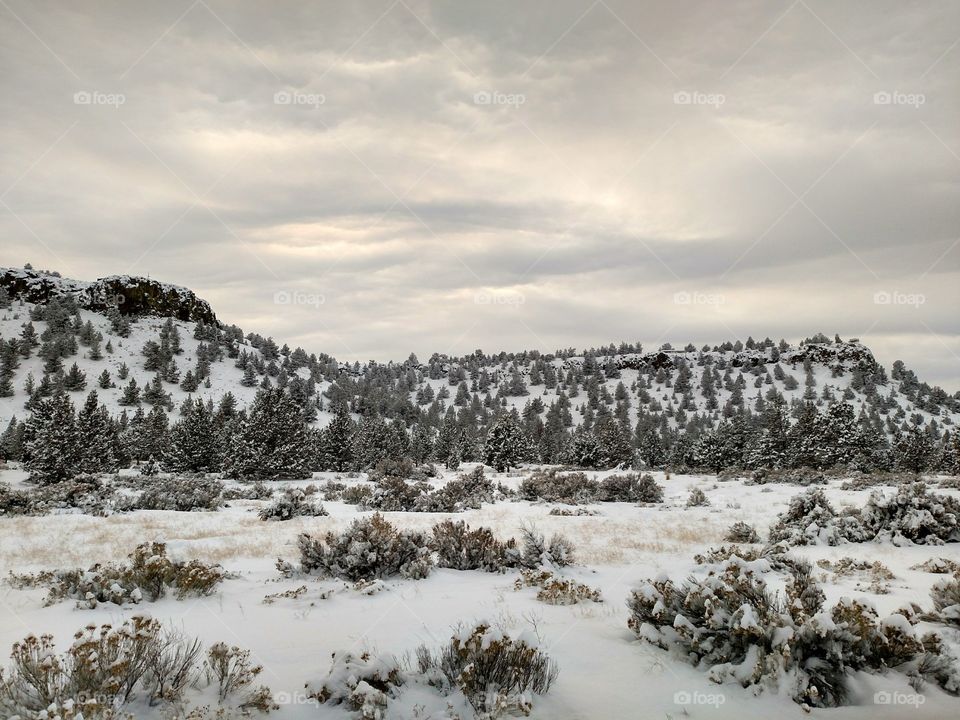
(913, 451)
(194, 441)
(506, 445)
(615, 447)
(272, 442)
(371, 442)
(131, 393)
(336, 441)
(584, 449)
(75, 379)
(53, 446)
(11, 441)
(98, 437)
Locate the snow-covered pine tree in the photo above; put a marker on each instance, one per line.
(615, 447)
(912, 451)
(336, 441)
(506, 446)
(52, 443)
(272, 442)
(98, 437)
(194, 442)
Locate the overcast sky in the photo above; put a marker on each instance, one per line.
(374, 178)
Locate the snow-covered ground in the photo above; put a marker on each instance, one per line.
(605, 672)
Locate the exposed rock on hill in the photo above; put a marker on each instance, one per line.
(131, 295)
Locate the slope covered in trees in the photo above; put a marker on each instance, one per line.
(82, 390)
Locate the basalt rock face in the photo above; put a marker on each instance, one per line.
(844, 355)
(130, 295)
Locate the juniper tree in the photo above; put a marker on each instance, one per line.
(614, 445)
(98, 437)
(194, 441)
(227, 407)
(421, 443)
(154, 394)
(371, 442)
(584, 449)
(189, 383)
(75, 378)
(505, 445)
(912, 451)
(249, 376)
(272, 441)
(53, 446)
(131, 393)
(336, 441)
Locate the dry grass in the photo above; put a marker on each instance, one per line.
(78, 540)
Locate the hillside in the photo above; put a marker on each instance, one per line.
(114, 331)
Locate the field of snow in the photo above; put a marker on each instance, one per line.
(605, 672)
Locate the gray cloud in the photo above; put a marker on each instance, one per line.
(787, 161)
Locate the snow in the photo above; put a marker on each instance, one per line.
(605, 671)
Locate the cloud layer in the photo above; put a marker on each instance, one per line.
(371, 179)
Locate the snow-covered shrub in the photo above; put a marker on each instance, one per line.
(741, 532)
(555, 590)
(631, 488)
(356, 495)
(258, 490)
(230, 668)
(876, 575)
(811, 520)
(460, 548)
(333, 490)
(183, 494)
(149, 575)
(370, 548)
(938, 566)
(15, 502)
(394, 494)
(573, 512)
(913, 514)
(291, 504)
(697, 498)
(465, 493)
(87, 493)
(107, 668)
(495, 673)
(868, 481)
(723, 553)
(390, 467)
(946, 599)
(362, 683)
(732, 626)
(572, 488)
(791, 476)
(538, 552)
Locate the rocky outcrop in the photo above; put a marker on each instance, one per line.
(846, 355)
(130, 295)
